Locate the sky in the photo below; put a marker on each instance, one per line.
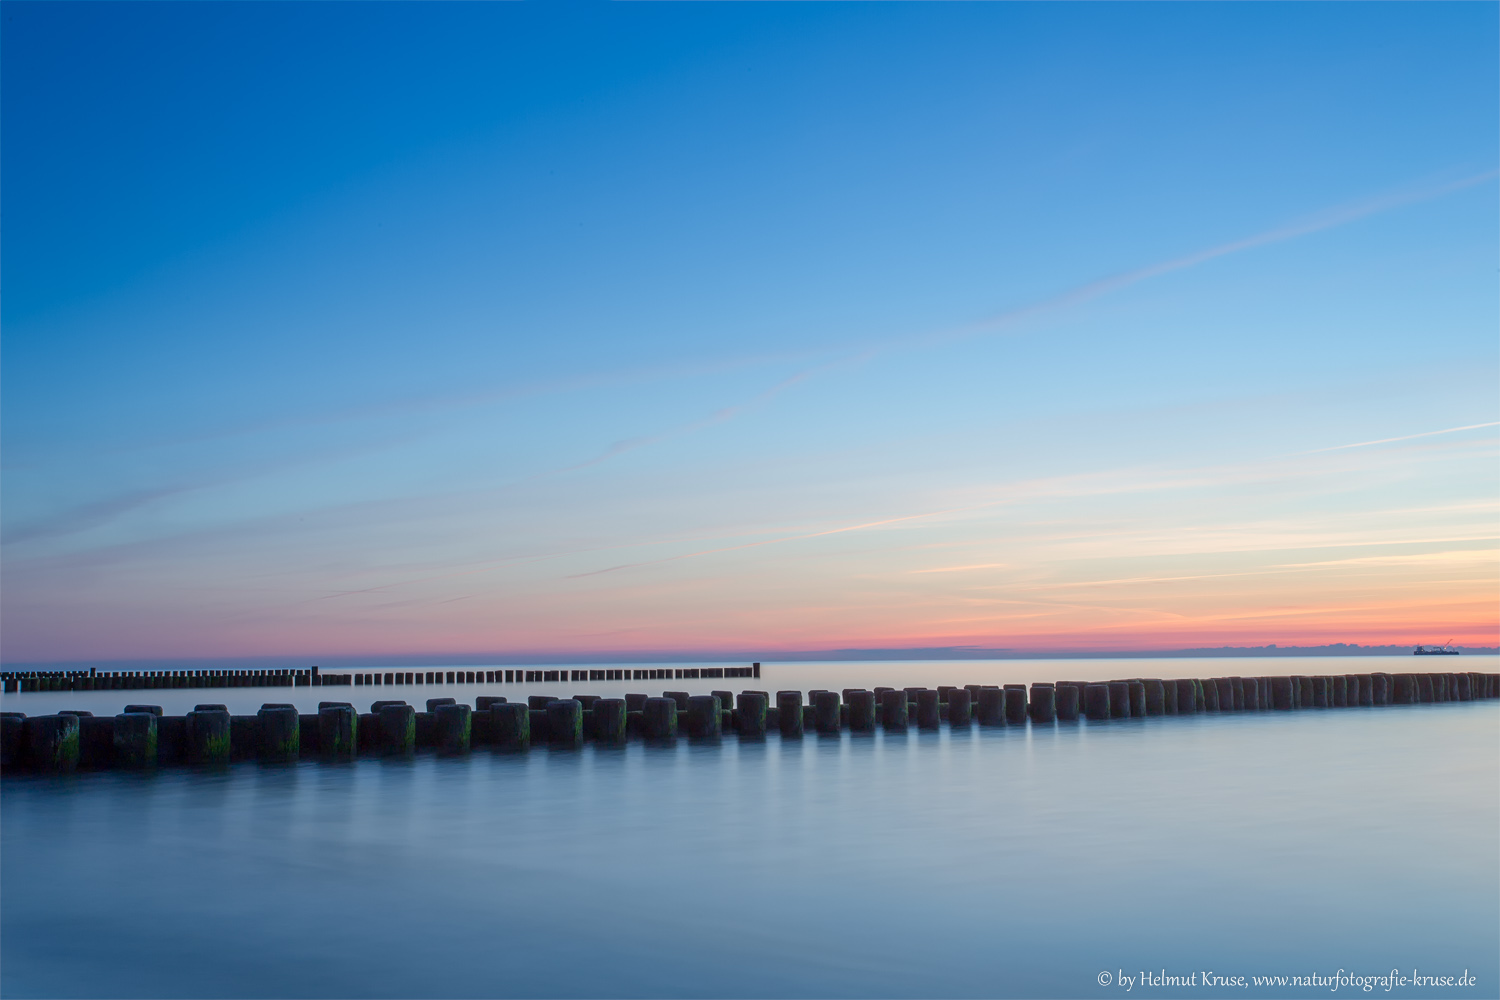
(342, 330)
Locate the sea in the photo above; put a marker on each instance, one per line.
(1338, 852)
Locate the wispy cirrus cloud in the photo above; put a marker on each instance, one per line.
(90, 515)
(1123, 481)
(1331, 218)
(1325, 220)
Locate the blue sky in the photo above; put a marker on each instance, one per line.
(358, 329)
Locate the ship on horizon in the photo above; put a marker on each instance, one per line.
(1446, 649)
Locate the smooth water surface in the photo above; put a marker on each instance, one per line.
(1018, 861)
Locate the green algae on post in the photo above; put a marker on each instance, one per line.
(703, 716)
(609, 720)
(208, 736)
(280, 733)
(53, 743)
(338, 730)
(398, 729)
(789, 713)
(511, 725)
(135, 739)
(454, 729)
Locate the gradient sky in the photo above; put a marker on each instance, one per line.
(444, 329)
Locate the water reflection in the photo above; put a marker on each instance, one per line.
(1013, 861)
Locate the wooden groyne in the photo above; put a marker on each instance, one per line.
(142, 737)
(13, 681)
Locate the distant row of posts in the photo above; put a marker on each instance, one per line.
(12, 682)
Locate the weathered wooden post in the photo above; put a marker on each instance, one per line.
(861, 711)
(1119, 700)
(826, 711)
(1043, 703)
(659, 716)
(338, 730)
(135, 739)
(52, 743)
(1406, 690)
(398, 729)
(455, 729)
(702, 716)
(511, 724)
(208, 736)
(1424, 688)
(752, 710)
(1015, 704)
(1096, 702)
(1155, 702)
(928, 713)
(789, 713)
(1067, 703)
(565, 721)
(280, 732)
(960, 708)
(894, 712)
(991, 706)
(609, 720)
(12, 725)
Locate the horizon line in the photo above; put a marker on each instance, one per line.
(848, 654)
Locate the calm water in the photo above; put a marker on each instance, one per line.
(989, 862)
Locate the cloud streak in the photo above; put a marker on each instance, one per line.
(1319, 222)
(1404, 437)
(717, 417)
(1034, 490)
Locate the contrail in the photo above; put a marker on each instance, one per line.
(717, 417)
(1330, 219)
(1404, 437)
